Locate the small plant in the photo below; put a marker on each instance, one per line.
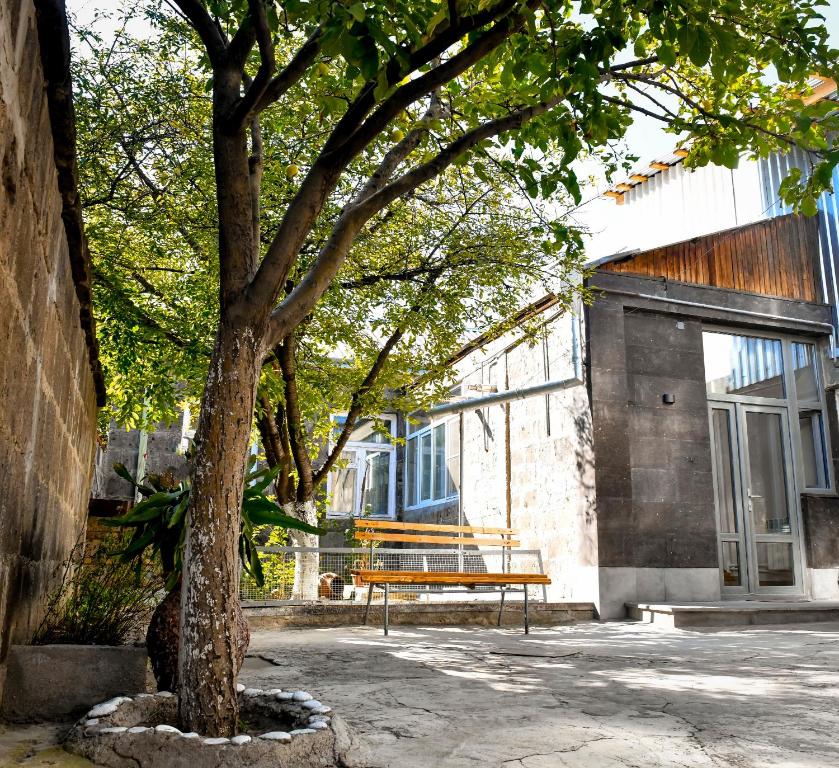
(159, 521)
(99, 601)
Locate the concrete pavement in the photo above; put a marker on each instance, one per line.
(619, 695)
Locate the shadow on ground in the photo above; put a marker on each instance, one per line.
(594, 695)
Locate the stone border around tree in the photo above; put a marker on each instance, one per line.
(136, 732)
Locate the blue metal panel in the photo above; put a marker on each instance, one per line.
(773, 170)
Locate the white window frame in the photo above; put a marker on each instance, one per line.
(428, 429)
(362, 448)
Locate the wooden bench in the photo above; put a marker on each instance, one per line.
(451, 535)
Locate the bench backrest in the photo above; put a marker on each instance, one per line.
(431, 533)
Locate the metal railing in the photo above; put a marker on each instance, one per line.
(336, 563)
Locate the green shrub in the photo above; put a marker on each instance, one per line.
(101, 600)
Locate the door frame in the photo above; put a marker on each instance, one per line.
(745, 537)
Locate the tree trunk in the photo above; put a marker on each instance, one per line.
(163, 640)
(211, 614)
(306, 564)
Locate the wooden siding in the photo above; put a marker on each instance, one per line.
(777, 257)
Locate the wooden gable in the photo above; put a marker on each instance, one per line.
(776, 257)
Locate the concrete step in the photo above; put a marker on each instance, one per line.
(267, 615)
(731, 613)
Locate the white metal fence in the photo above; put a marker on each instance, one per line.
(336, 564)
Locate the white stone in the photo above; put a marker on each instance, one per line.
(276, 736)
(252, 692)
(318, 725)
(143, 696)
(324, 710)
(163, 728)
(301, 731)
(301, 696)
(312, 704)
(284, 696)
(191, 735)
(164, 694)
(107, 707)
(114, 729)
(138, 729)
(92, 721)
(242, 738)
(320, 719)
(239, 688)
(273, 691)
(216, 741)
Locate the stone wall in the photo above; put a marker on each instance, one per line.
(550, 481)
(48, 388)
(656, 519)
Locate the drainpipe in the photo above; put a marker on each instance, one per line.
(507, 396)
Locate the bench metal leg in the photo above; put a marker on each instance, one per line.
(386, 616)
(501, 607)
(369, 598)
(526, 619)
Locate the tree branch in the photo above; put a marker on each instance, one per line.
(244, 109)
(201, 21)
(357, 403)
(292, 73)
(287, 357)
(338, 151)
(305, 295)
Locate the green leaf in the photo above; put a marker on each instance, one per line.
(357, 11)
(700, 52)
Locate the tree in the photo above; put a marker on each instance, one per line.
(528, 84)
(453, 260)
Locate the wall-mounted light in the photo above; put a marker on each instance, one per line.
(668, 399)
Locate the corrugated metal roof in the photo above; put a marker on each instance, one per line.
(821, 87)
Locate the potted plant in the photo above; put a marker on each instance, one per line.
(86, 647)
(159, 528)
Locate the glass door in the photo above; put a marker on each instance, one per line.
(770, 500)
(756, 502)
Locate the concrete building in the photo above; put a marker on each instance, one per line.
(673, 441)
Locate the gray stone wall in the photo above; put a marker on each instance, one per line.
(162, 455)
(654, 500)
(551, 477)
(47, 392)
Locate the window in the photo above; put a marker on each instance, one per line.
(364, 480)
(740, 366)
(808, 394)
(743, 365)
(432, 461)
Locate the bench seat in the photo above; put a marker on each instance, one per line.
(447, 577)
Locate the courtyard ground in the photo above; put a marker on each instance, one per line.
(594, 695)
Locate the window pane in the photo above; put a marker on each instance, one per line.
(731, 564)
(376, 489)
(767, 473)
(417, 422)
(804, 367)
(724, 469)
(440, 461)
(364, 430)
(743, 365)
(453, 457)
(411, 472)
(774, 564)
(343, 486)
(813, 450)
(425, 466)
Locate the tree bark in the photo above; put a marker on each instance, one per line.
(306, 564)
(211, 614)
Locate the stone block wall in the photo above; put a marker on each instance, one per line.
(550, 481)
(48, 394)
